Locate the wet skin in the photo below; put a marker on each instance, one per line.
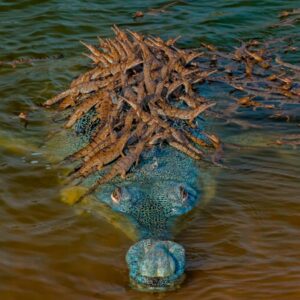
(167, 184)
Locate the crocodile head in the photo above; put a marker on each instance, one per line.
(153, 200)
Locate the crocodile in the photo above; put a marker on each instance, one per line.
(138, 115)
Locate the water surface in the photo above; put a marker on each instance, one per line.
(243, 245)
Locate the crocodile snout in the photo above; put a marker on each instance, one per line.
(156, 265)
(158, 262)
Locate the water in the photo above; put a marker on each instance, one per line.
(244, 244)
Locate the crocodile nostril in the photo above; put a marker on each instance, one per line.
(116, 195)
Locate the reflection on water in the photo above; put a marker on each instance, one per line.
(243, 245)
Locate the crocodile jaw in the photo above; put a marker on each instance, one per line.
(156, 265)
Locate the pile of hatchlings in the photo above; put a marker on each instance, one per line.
(141, 91)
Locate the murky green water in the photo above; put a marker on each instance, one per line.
(244, 244)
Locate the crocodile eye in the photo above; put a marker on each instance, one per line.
(116, 195)
(183, 193)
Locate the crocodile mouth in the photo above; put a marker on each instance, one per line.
(156, 265)
(157, 284)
